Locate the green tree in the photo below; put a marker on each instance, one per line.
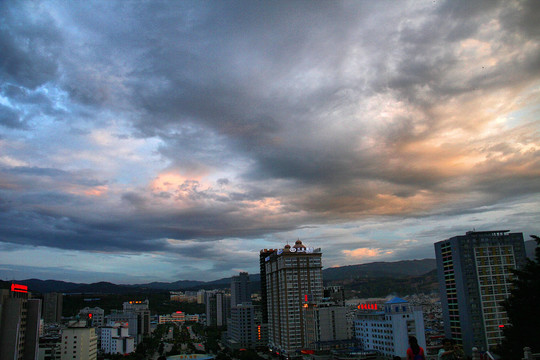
(523, 310)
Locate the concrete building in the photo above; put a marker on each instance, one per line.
(19, 323)
(201, 296)
(293, 278)
(79, 342)
(115, 339)
(241, 329)
(177, 318)
(218, 308)
(95, 315)
(474, 273)
(50, 347)
(142, 311)
(240, 291)
(386, 328)
(125, 317)
(264, 256)
(52, 308)
(325, 325)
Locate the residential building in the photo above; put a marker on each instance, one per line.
(475, 275)
(386, 328)
(142, 310)
(241, 329)
(218, 308)
(264, 256)
(79, 342)
(293, 278)
(52, 307)
(240, 291)
(130, 318)
(50, 347)
(115, 339)
(95, 315)
(325, 326)
(19, 323)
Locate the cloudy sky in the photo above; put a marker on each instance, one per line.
(168, 140)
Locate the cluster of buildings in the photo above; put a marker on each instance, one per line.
(295, 315)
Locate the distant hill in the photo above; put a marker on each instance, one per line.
(381, 269)
(346, 274)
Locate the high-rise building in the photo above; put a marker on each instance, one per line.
(218, 308)
(52, 308)
(142, 310)
(386, 328)
(474, 273)
(293, 278)
(19, 323)
(264, 256)
(240, 291)
(79, 342)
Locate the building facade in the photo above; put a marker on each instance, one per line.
(218, 308)
(240, 289)
(142, 311)
(293, 278)
(241, 328)
(115, 339)
(79, 342)
(95, 315)
(386, 328)
(19, 323)
(325, 325)
(474, 273)
(52, 308)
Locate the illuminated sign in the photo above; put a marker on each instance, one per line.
(501, 326)
(19, 288)
(367, 306)
(135, 302)
(302, 250)
(89, 316)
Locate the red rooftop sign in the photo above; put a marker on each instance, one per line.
(367, 306)
(19, 288)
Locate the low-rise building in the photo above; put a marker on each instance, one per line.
(115, 339)
(79, 342)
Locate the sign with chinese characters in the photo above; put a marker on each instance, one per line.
(367, 306)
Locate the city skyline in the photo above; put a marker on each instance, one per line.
(172, 141)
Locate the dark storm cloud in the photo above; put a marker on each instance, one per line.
(298, 113)
(10, 118)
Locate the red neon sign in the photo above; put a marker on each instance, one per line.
(19, 288)
(367, 306)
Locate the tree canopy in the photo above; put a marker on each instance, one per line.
(522, 307)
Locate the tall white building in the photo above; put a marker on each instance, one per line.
(115, 339)
(79, 342)
(293, 278)
(387, 328)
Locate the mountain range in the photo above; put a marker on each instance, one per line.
(397, 269)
